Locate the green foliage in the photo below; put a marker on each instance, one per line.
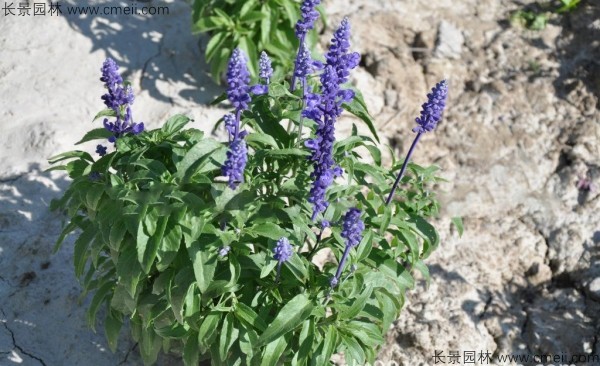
(537, 15)
(253, 26)
(151, 220)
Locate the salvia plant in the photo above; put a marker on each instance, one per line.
(273, 247)
(251, 25)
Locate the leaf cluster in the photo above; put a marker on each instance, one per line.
(151, 217)
(253, 26)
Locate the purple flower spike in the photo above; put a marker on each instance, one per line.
(282, 252)
(433, 108)
(431, 114)
(101, 150)
(352, 229)
(119, 98)
(234, 166)
(308, 17)
(264, 65)
(238, 79)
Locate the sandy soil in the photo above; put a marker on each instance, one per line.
(517, 145)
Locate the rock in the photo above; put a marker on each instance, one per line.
(449, 41)
(593, 289)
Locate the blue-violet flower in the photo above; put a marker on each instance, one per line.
(119, 98)
(234, 166)
(101, 150)
(282, 252)
(223, 251)
(352, 229)
(264, 66)
(324, 110)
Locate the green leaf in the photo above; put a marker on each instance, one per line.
(282, 153)
(117, 233)
(208, 330)
(358, 108)
(80, 252)
(71, 155)
(248, 46)
(175, 124)
(307, 336)
(215, 44)
(327, 347)
(458, 222)
(357, 304)
(273, 352)
(191, 351)
(148, 244)
(255, 139)
(268, 230)
(105, 113)
(368, 333)
(353, 353)
(112, 326)
(204, 263)
(95, 134)
(288, 318)
(198, 155)
(246, 314)
(229, 334)
(99, 297)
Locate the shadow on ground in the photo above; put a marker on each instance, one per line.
(161, 46)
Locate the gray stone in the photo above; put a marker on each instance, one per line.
(449, 41)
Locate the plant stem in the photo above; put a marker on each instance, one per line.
(301, 122)
(410, 151)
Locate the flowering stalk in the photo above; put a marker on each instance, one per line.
(431, 113)
(352, 229)
(238, 93)
(118, 98)
(324, 110)
(282, 253)
(307, 22)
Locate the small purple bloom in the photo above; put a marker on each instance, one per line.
(234, 166)
(431, 111)
(264, 65)
(229, 120)
(282, 252)
(101, 150)
(352, 229)
(223, 251)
